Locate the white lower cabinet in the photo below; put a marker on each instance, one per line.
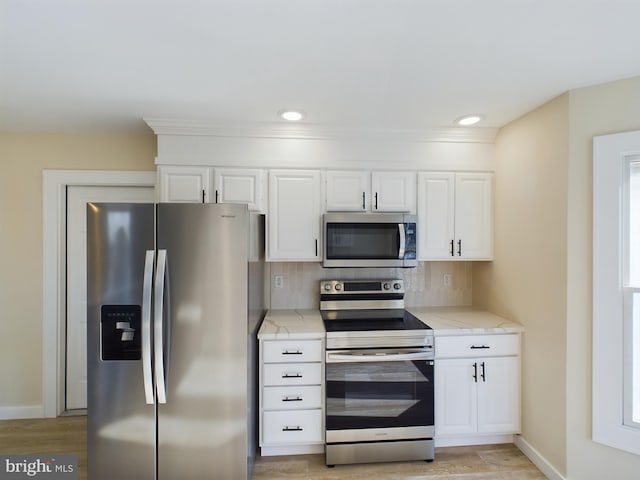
(296, 427)
(291, 397)
(477, 388)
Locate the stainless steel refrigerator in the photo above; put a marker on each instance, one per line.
(174, 300)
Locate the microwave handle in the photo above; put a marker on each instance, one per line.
(403, 241)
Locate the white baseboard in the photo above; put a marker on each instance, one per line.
(15, 413)
(537, 459)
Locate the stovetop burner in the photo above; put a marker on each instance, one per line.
(371, 320)
(364, 314)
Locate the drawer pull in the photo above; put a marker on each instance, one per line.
(291, 352)
(292, 375)
(292, 399)
(292, 429)
(476, 347)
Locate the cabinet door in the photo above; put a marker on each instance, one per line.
(293, 227)
(499, 395)
(436, 202)
(348, 191)
(474, 216)
(239, 185)
(393, 192)
(184, 184)
(455, 397)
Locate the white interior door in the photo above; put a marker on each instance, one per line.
(76, 327)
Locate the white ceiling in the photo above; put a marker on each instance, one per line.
(104, 65)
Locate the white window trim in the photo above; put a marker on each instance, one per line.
(610, 156)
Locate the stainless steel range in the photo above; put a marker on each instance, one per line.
(379, 374)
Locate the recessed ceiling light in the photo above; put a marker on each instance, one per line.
(291, 115)
(468, 120)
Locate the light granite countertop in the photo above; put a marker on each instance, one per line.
(291, 324)
(307, 324)
(464, 321)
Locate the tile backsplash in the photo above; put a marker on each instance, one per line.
(424, 284)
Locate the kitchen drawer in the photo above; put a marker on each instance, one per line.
(292, 374)
(292, 351)
(291, 398)
(477, 346)
(292, 427)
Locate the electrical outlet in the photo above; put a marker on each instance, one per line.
(279, 281)
(447, 279)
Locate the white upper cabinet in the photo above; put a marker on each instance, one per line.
(393, 192)
(184, 184)
(240, 185)
(455, 220)
(212, 185)
(348, 190)
(474, 216)
(293, 223)
(364, 191)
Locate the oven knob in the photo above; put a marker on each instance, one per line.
(397, 286)
(327, 287)
(386, 285)
(338, 286)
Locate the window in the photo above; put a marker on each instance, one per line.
(616, 291)
(631, 262)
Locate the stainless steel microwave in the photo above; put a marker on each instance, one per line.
(369, 240)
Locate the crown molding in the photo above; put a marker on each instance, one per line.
(308, 131)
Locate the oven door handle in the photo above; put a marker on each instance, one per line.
(345, 356)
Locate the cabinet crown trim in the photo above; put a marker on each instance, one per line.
(168, 126)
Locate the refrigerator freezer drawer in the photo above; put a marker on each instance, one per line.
(292, 351)
(291, 398)
(292, 374)
(293, 427)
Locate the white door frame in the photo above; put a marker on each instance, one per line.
(54, 183)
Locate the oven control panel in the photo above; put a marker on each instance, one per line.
(361, 286)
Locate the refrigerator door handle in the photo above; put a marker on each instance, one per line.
(147, 374)
(159, 328)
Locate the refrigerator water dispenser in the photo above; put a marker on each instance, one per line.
(120, 332)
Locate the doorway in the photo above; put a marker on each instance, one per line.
(55, 185)
(76, 297)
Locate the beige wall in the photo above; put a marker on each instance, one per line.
(599, 110)
(542, 275)
(526, 281)
(23, 157)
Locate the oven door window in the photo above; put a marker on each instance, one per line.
(379, 394)
(362, 241)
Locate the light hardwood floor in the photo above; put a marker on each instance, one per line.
(487, 462)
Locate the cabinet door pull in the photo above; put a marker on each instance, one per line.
(216, 196)
(460, 247)
(363, 202)
(482, 375)
(479, 347)
(452, 251)
(292, 375)
(316, 247)
(292, 399)
(475, 372)
(291, 352)
(203, 197)
(292, 429)
(376, 197)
